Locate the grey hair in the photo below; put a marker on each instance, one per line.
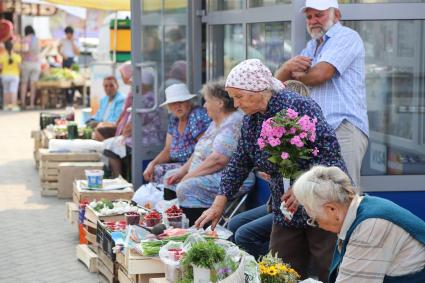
(321, 185)
(217, 90)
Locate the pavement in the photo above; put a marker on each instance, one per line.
(37, 242)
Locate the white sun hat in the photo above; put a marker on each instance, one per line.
(320, 5)
(177, 93)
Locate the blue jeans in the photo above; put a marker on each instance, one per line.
(251, 230)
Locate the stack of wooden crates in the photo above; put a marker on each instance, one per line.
(49, 168)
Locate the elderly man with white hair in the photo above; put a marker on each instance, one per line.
(333, 66)
(378, 241)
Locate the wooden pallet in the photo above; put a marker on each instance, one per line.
(49, 189)
(106, 267)
(36, 135)
(87, 256)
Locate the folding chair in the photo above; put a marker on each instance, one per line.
(232, 208)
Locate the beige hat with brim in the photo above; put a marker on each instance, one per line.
(177, 93)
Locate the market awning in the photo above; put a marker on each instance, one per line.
(121, 5)
(109, 5)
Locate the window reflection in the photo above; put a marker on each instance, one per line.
(395, 85)
(378, 1)
(219, 5)
(226, 49)
(175, 6)
(261, 3)
(270, 42)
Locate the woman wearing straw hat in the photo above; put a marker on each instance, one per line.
(186, 125)
(196, 183)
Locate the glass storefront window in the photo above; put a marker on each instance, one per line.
(262, 3)
(270, 42)
(175, 6)
(395, 85)
(226, 49)
(378, 1)
(220, 5)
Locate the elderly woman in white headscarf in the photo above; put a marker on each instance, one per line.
(378, 241)
(260, 97)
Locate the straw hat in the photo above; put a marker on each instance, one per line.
(177, 93)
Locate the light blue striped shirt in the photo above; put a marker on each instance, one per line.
(344, 96)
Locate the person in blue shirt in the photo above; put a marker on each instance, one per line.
(333, 66)
(111, 105)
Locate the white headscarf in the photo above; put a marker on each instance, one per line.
(253, 75)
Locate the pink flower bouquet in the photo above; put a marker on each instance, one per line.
(288, 137)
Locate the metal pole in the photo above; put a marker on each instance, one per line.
(194, 46)
(298, 28)
(114, 53)
(136, 59)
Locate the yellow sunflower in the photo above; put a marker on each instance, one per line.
(272, 271)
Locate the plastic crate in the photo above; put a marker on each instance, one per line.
(105, 241)
(47, 118)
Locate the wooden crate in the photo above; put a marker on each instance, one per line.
(45, 155)
(49, 189)
(36, 135)
(49, 167)
(90, 233)
(86, 255)
(106, 266)
(93, 216)
(146, 278)
(138, 264)
(72, 212)
(124, 277)
(90, 195)
(71, 171)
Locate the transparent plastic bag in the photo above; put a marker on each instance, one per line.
(148, 195)
(170, 254)
(162, 205)
(194, 237)
(221, 232)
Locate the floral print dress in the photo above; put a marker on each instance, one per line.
(183, 145)
(249, 156)
(201, 191)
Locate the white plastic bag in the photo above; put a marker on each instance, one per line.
(171, 260)
(77, 145)
(148, 195)
(116, 145)
(310, 280)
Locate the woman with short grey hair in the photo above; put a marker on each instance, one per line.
(216, 90)
(378, 241)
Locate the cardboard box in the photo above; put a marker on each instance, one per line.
(71, 171)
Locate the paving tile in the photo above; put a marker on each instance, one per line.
(38, 244)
